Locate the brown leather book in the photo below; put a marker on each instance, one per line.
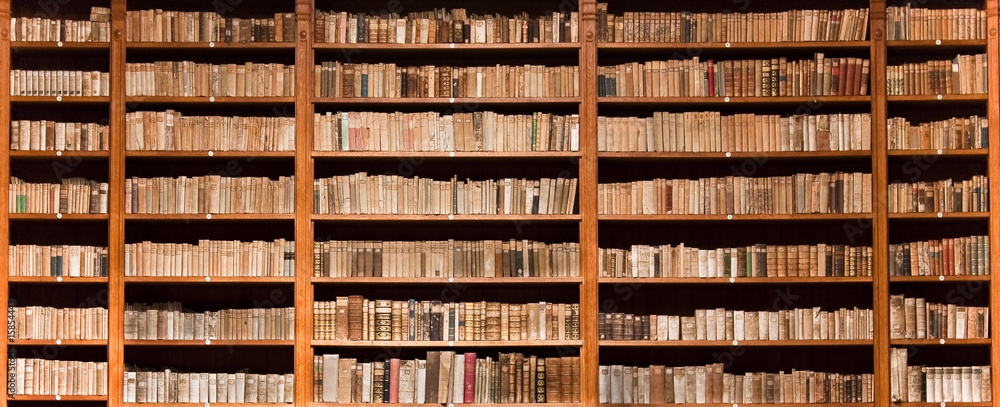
(355, 318)
(553, 380)
(433, 375)
(656, 388)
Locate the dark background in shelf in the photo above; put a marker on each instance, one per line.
(454, 292)
(741, 359)
(646, 299)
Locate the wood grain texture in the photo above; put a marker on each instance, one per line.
(880, 205)
(993, 165)
(303, 201)
(116, 207)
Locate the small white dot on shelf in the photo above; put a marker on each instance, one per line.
(938, 42)
(206, 404)
(736, 405)
(941, 278)
(58, 216)
(58, 341)
(211, 153)
(59, 279)
(942, 342)
(732, 279)
(58, 153)
(940, 151)
(726, 99)
(208, 341)
(451, 100)
(208, 216)
(451, 217)
(940, 97)
(211, 98)
(58, 397)
(734, 344)
(943, 404)
(208, 278)
(940, 215)
(452, 45)
(210, 45)
(58, 98)
(451, 154)
(728, 45)
(451, 279)
(59, 44)
(450, 343)
(729, 217)
(729, 154)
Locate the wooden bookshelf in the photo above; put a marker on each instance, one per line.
(591, 230)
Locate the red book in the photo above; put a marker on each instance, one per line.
(711, 78)
(470, 377)
(393, 381)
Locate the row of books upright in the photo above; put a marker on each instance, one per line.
(211, 258)
(801, 193)
(171, 130)
(192, 79)
(683, 26)
(960, 256)
(71, 195)
(447, 377)
(963, 75)
(388, 80)
(971, 195)
(210, 194)
(432, 131)
(444, 259)
(955, 133)
(737, 325)
(759, 260)
(96, 29)
(171, 321)
(59, 83)
(913, 23)
(156, 25)
(27, 260)
(658, 384)
(354, 318)
(714, 132)
(445, 26)
(392, 194)
(168, 386)
(47, 135)
(820, 76)
(919, 383)
(34, 376)
(40, 322)
(917, 318)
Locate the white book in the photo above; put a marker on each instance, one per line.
(331, 368)
(421, 382)
(458, 379)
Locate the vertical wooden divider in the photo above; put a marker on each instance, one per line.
(116, 209)
(880, 207)
(303, 202)
(993, 176)
(589, 250)
(5, 166)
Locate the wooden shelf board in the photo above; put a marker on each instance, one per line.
(65, 99)
(762, 100)
(209, 45)
(949, 404)
(447, 218)
(314, 404)
(59, 154)
(753, 405)
(55, 216)
(932, 44)
(667, 46)
(981, 152)
(36, 45)
(737, 280)
(62, 342)
(201, 343)
(437, 344)
(723, 343)
(215, 216)
(944, 215)
(448, 46)
(211, 280)
(204, 154)
(446, 154)
(203, 404)
(445, 280)
(937, 279)
(55, 280)
(689, 218)
(207, 99)
(734, 155)
(450, 101)
(937, 342)
(37, 397)
(934, 98)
